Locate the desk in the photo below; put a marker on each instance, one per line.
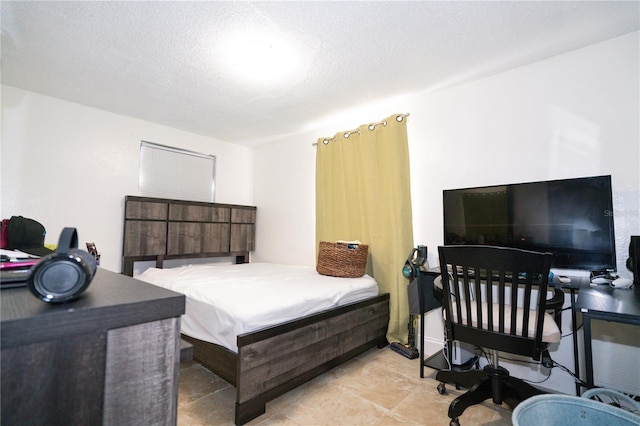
(606, 304)
(428, 299)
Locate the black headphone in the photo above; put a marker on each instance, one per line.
(65, 274)
(415, 262)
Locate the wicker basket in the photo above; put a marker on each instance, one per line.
(342, 259)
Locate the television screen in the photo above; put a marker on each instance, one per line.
(571, 218)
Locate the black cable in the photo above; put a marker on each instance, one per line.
(569, 334)
(528, 362)
(555, 364)
(541, 381)
(484, 353)
(571, 373)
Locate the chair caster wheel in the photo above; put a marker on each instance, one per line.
(442, 389)
(454, 422)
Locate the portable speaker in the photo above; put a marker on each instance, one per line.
(63, 275)
(633, 262)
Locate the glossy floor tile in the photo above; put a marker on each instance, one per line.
(379, 387)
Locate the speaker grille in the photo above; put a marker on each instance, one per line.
(60, 278)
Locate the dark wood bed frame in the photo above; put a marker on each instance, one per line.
(271, 361)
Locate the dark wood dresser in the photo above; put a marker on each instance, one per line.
(111, 357)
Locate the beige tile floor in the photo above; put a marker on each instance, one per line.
(379, 387)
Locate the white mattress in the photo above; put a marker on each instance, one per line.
(224, 301)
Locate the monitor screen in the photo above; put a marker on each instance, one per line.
(571, 218)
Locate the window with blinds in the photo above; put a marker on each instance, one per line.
(168, 172)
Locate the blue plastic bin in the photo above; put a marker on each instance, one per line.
(542, 410)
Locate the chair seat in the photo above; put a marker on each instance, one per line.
(550, 330)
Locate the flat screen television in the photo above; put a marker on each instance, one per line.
(571, 218)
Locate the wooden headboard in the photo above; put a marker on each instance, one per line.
(160, 229)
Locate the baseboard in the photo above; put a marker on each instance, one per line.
(432, 346)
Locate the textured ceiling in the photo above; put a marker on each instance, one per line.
(170, 62)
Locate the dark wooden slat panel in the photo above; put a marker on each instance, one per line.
(144, 238)
(145, 210)
(184, 238)
(246, 339)
(193, 238)
(304, 336)
(54, 382)
(127, 398)
(242, 237)
(291, 364)
(249, 410)
(129, 198)
(293, 353)
(216, 237)
(243, 215)
(198, 213)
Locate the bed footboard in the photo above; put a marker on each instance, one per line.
(273, 361)
(278, 359)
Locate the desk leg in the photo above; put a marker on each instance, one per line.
(588, 354)
(574, 329)
(422, 345)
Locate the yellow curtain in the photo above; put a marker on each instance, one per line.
(363, 193)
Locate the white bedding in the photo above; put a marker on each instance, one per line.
(224, 301)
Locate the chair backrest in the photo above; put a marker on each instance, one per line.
(481, 287)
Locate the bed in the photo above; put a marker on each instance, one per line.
(268, 360)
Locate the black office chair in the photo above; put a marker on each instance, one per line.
(518, 278)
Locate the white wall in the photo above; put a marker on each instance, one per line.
(573, 115)
(65, 164)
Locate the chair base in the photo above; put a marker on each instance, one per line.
(490, 382)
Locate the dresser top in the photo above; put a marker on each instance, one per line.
(111, 301)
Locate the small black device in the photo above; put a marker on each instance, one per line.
(63, 275)
(633, 262)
